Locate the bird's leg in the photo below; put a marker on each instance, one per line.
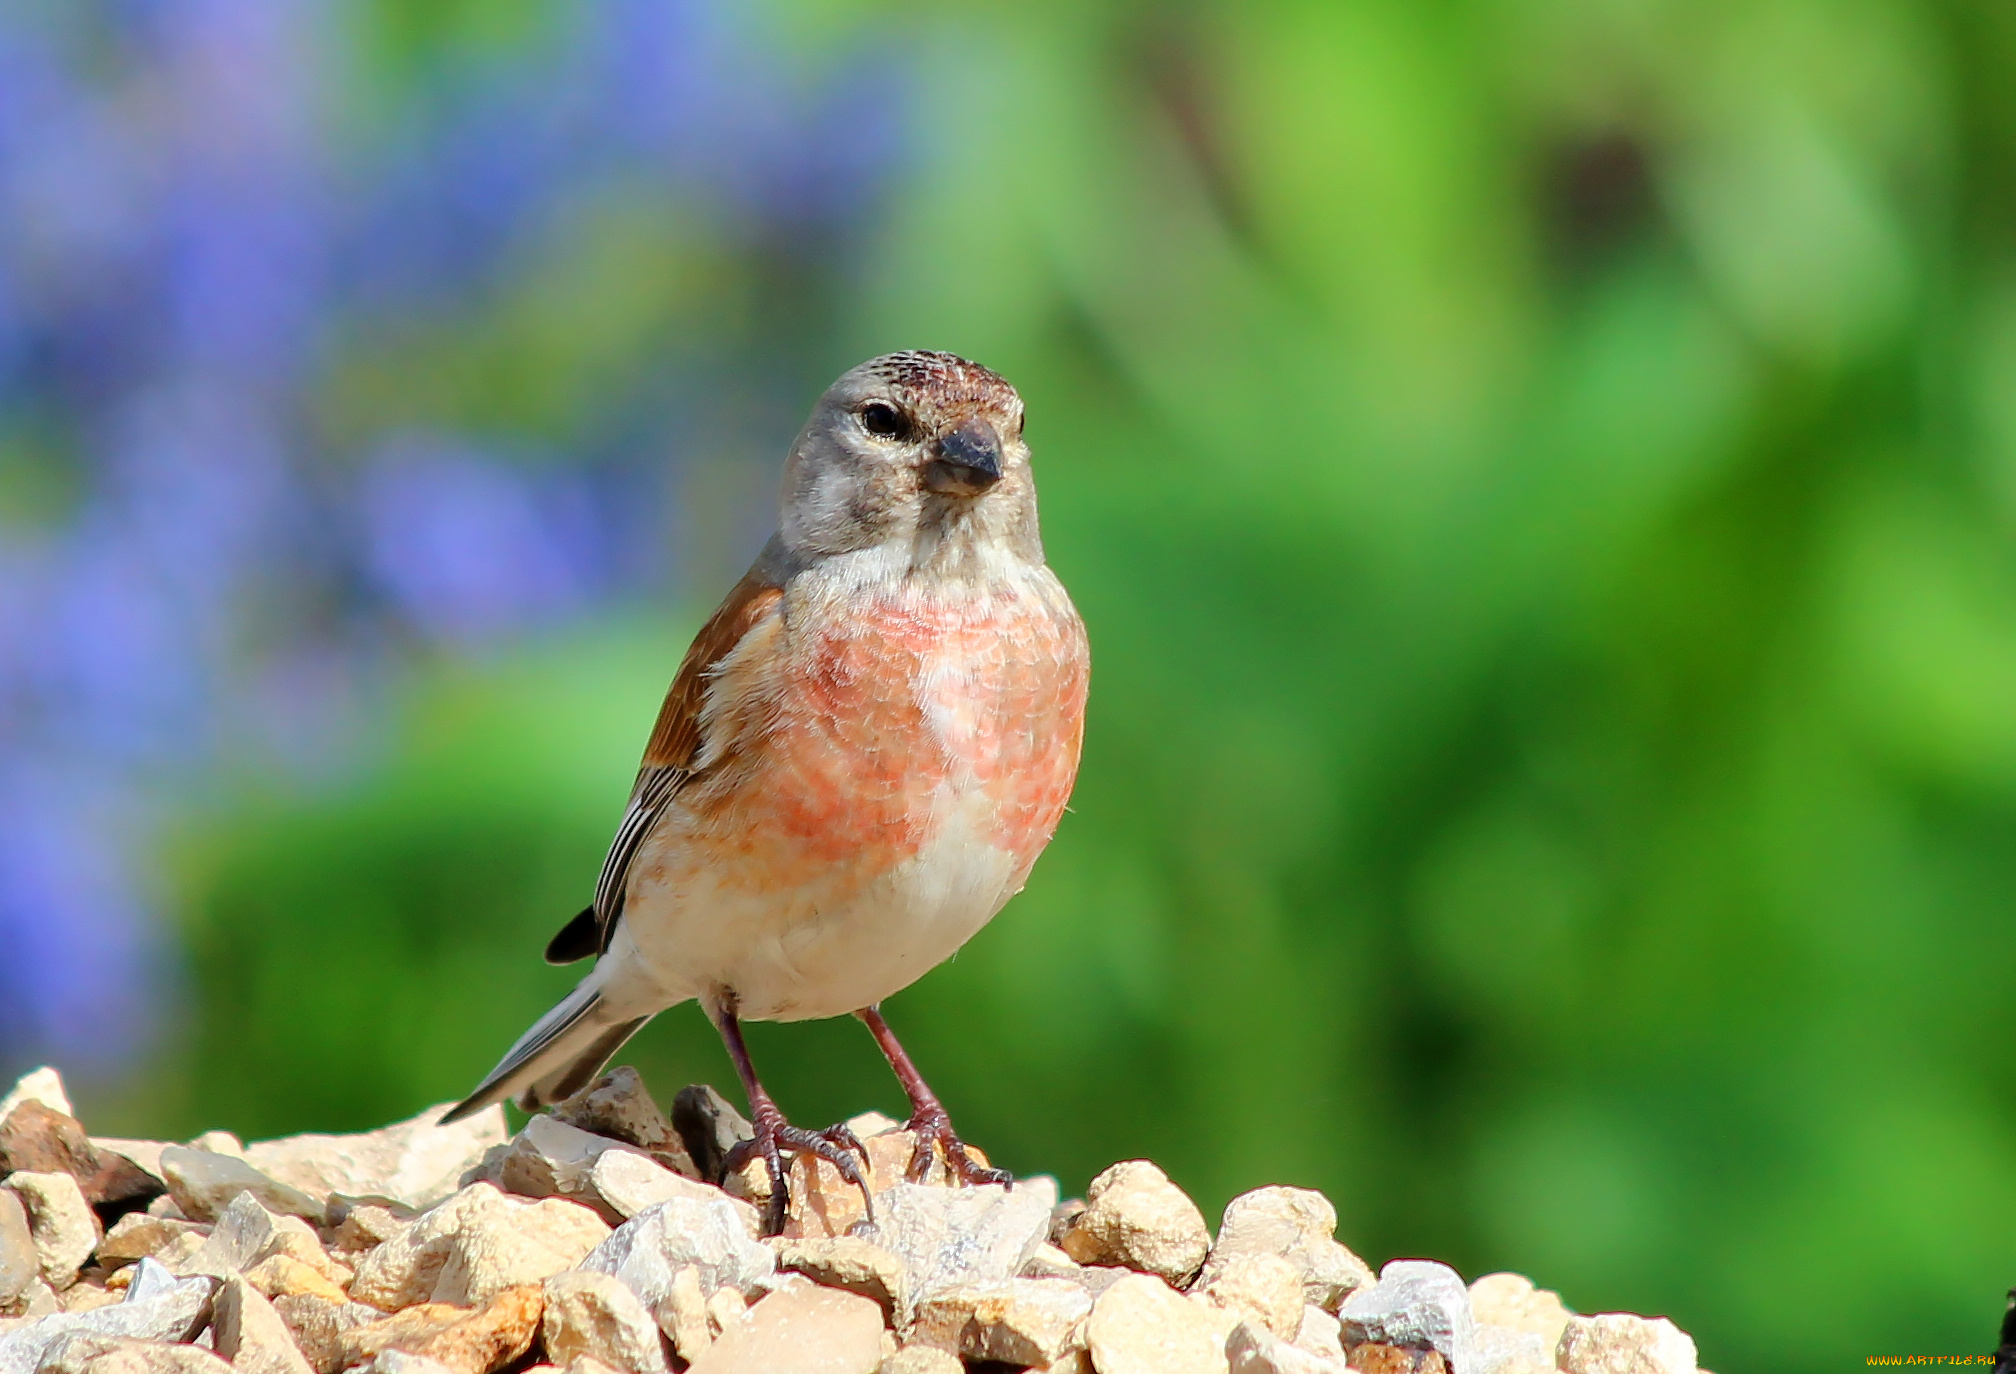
(775, 1135)
(928, 1120)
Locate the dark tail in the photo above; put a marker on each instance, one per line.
(557, 1058)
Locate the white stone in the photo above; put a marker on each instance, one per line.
(403, 1271)
(849, 1262)
(725, 1308)
(521, 1243)
(1300, 1225)
(318, 1326)
(399, 1362)
(83, 1353)
(708, 1236)
(1511, 1301)
(245, 1233)
(218, 1143)
(37, 1301)
(42, 1085)
(1623, 1343)
(89, 1297)
(1252, 1349)
(807, 1330)
(1503, 1350)
(158, 1307)
(472, 1246)
(953, 1237)
(682, 1313)
(203, 1183)
(872, 1123)
(250, 1334)
(61, 1221)
(1048, 1262)
(1320, 1334)
(279, 1276)
(143, 1154)
(1259, 1287)
(1143, 1326)
(137, 1235)
(1137, 1218)
(176, 1255)
(20, 1263)
(595, 1316)
(1416, 1303)
(366, 1226)
(1016, 1321)
(550, 1158)
(414, 1163)
(631, 1184)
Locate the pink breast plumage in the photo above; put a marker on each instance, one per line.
(871, 717)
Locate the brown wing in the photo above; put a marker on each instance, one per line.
(676, 737)
(675, 740)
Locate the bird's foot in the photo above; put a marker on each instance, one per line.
(933, 1129)
(775, 1137)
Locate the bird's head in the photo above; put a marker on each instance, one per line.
(920, 449)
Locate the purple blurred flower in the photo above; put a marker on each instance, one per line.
(70, 917)
(468, 548)
(659, 68)
(120, 683)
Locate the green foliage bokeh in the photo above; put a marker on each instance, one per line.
(1540, 477)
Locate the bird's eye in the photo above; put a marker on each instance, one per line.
(882, 420)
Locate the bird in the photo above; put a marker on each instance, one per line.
(858, 762)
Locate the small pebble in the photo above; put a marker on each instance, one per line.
(1135, 1217)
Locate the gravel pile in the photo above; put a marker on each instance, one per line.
(607, 1239)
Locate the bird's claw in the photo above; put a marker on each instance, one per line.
(774, 1136)
(933, 1129)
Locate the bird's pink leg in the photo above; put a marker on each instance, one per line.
(775, 1135)
(928, 1120)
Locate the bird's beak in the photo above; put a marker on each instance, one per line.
(965, 462)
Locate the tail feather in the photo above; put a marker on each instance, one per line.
(557, 1058)
(578, 939)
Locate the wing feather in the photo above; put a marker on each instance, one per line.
(671, 757)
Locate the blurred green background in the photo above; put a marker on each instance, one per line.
(1540, 476)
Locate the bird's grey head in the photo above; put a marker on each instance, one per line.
(917, 450)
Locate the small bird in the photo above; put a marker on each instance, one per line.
(859, 761)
